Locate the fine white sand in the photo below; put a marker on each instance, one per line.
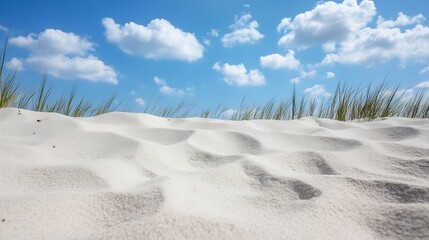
(137, 176)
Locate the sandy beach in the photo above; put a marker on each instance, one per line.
(137, 176)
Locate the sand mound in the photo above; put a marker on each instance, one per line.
(137, 176)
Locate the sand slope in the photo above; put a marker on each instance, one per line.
(137, 176)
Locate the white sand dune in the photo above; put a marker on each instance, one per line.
(137, 176)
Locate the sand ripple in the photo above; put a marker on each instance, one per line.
(136, 176)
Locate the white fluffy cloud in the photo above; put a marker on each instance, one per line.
(372, 44)
(277, 61)
(167, 90)
(61, 66)
(54, 42)
(15, 64)
(244, 31)
(347, 33)
(303, 75)
(285, 24)
(63, 55)
(328, 23)
(425, 70)
(424, 84)
(158, 40)
(330, 75)
(238, 75)
(139, 101)
(317, 91)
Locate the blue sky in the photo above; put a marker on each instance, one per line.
(216, 51)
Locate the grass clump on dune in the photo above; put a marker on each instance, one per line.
(347, 103)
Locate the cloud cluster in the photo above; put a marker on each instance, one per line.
(277, 61)
(238, 75)
(345, 33)
(167, 90)
(244, 31)
(317, 91)
(63, 55)
(52, 42)
(158, 40)
(327, 24)
(382, 44)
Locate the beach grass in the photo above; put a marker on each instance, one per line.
(347, 103)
